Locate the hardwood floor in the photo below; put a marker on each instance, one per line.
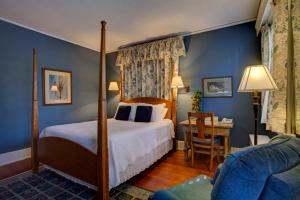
(172, 170)
(169, 171)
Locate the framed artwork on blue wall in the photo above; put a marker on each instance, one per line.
(217, 87)
(57, 87)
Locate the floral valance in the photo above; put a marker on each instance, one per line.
(161, 49)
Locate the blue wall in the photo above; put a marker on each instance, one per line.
(16, 46)
(222, 52)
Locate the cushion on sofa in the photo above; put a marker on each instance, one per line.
(285, 185)
(245, 172)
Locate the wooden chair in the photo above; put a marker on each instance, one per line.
(202, 138)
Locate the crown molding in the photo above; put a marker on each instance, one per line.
(220, 26)
(47, 34)
(115, 50)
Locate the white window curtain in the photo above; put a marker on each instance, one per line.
(147, 68)
(295, 13)
(283, 110)
(266, 50)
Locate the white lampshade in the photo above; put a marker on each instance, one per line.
(257, 78)
(177, 82)
(113, 86)
(54, 88)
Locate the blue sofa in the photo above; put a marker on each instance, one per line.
(270, 171)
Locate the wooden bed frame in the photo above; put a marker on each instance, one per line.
(72, 158)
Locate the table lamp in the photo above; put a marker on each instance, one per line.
(256, 78)
(177, 82)
(113, 86)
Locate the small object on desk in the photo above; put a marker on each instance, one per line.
(227, 120)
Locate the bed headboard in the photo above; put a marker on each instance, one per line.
(154, 101)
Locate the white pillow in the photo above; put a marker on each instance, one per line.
(158, 111)
(164, 113)
(132, 111)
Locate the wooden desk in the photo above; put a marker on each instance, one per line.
(221, 129)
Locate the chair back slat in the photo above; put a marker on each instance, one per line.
(200, 131)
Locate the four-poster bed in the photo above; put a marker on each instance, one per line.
(74, 159)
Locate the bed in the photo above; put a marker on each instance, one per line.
(132, 146)
(94, 159)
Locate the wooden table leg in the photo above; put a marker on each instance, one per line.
(229, 145)
(226, 146)
(186, 146)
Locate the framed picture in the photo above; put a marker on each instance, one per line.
(57, 87)
(217, 87)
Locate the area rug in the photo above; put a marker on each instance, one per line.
(47, 184)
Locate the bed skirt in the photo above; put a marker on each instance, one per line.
(146, 161)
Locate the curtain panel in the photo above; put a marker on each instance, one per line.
(295, 13)
(276, 119)
(147, 68)
(284, 104)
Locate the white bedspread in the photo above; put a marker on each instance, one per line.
(128, 141)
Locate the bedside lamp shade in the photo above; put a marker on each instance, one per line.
(257, 78)
(177, 82)
(113, 86)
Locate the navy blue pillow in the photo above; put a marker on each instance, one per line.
(123, 113)
(143, 114)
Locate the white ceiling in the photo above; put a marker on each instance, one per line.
(78, 21)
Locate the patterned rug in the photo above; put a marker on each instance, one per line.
(47, 184)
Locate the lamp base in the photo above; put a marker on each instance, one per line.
(256, 108)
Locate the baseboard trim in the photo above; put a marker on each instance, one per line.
(14, 156)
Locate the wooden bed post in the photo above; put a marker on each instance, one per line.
(35, 115)
(102, 151)
(174, 100)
